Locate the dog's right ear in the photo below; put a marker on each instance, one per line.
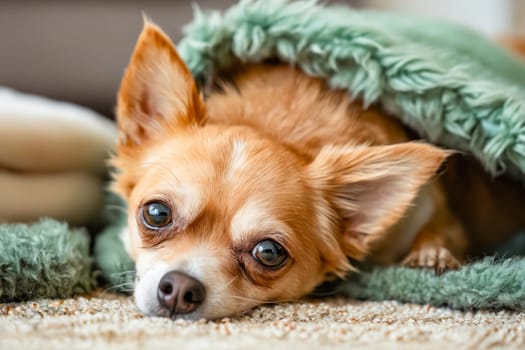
(372, 187)
(157, 92)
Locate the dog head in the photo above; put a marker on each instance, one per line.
(223, 218)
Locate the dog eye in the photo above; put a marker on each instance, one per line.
(269, 253)
(156, 215)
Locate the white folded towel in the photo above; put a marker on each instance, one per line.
(52, 159)
(39, 134)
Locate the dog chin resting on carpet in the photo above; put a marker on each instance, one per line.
(266, 188)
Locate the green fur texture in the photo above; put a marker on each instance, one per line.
(45, 259)
(487, 284)
(452, 86)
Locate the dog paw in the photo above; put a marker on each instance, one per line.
(438, 258)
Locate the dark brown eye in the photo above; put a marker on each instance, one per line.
(156, 215)
(269, 253)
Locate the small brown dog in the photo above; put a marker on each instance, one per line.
(263, 191)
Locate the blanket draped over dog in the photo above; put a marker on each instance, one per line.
(452, 86)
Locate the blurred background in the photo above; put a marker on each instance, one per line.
(77, 50)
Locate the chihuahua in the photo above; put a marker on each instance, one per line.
(267, 187)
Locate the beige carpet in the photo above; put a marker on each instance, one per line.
(109, 321)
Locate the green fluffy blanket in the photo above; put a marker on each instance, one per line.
(45, 259)
(452, 86)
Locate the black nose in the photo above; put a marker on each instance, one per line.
(180, 293)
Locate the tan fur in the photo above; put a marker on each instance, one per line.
(272, 154)
(514, 44)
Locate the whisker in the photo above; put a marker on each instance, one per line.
(123, 273)
(119, 286)
(231, 281)
(127, 286)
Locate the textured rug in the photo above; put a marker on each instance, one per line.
(104, 320)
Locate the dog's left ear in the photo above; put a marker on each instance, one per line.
(157, 92)
(369, 188)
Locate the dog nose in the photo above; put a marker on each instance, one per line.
(180, 293)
